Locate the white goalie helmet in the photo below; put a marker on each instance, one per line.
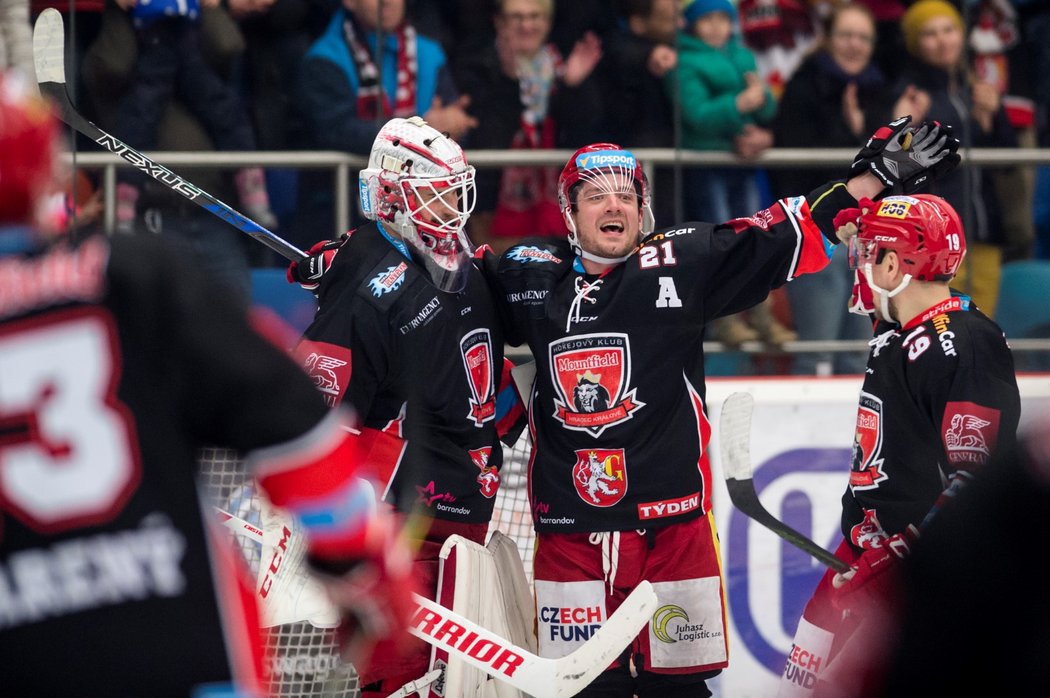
(419, 185)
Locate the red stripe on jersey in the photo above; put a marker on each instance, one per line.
(235, 597)
(299, 476)
(703, 430)
(814, 254)
(381, 454)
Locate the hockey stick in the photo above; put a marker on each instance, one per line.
(49, 61)
(496, 656)
(735, 438)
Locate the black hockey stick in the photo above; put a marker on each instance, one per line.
(49, 61)
(735, 438)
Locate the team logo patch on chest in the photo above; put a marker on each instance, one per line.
(476, 349)
(600, 476)
(866, 468)
(592, 375)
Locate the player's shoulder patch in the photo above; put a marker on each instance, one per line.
(534, 254)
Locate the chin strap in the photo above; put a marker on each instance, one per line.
(884, 295)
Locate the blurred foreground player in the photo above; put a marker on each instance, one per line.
(118, 361)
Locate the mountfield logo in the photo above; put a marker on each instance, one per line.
(606, 158)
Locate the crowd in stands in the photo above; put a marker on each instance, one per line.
(730, 75)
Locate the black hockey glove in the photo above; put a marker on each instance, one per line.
(308, 272)
(907, 159)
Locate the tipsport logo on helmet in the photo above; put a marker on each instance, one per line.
(606, 158)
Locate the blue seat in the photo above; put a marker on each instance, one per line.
(291, 302)
(1023, 310)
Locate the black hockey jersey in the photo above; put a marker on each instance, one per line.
(417, 363)
(939, 394)
(117, 363)
(618, 415)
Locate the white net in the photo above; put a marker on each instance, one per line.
(302, 660)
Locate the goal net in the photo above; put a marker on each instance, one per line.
(302, 660)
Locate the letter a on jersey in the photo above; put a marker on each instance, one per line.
(668, 294)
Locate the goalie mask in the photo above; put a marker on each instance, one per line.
(923, 230)
(28, 152)
(612, 170)
(419, 185)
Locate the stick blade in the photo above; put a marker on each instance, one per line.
(735, 436)
(49, 47)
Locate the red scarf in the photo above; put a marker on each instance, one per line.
(369, 90)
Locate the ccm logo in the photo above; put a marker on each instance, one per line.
(434, 625)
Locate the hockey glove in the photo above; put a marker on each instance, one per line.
(373, 593)
(846, 220)
(907, 159)
(874, 580)
(308, 272)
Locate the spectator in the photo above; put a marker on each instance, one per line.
(576, 18)
(995, 39)
(836, 98)
(170, 62)
(721, 94)
(780, 33)
(109, 69)
(890, 52)
(340, 103)
(640, 52)
(934, 35)
(525, 96)
(116, 371)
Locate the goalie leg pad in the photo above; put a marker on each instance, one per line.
(486, 585)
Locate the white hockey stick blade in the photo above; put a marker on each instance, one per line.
(537, 676)
(49, 62)
(735, 439)
(734, 435)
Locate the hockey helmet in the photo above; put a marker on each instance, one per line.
(614, 170)
(924, 230)
(28, 134)
(418, 183)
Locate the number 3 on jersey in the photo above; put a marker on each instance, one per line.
(68, 451)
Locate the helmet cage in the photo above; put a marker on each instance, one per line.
(419, 183)
(612, 170)
(923, 230)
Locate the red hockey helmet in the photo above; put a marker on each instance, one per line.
(924, 231)
(610, 167)
(27, 150)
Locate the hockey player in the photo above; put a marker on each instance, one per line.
(618, 310)
(406, 332)
(939, 396)
(118, 361)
